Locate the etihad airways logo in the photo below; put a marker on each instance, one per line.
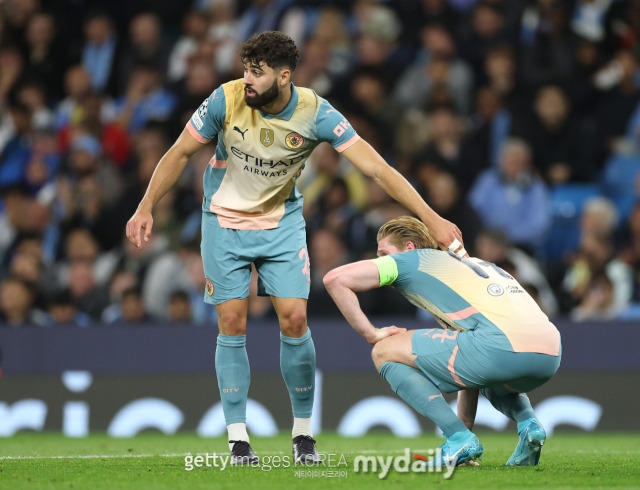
(260, 162)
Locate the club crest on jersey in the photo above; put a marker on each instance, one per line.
(266, 137)
(209, 286)
(495, 289)
(204, 107)
(294, 140)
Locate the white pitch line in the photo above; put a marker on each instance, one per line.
(598, 451)
(176, 455)
(98, 456)
(270, 453)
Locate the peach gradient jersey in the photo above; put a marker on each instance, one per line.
(471, 294)
(250, 183)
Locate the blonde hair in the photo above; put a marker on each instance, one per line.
(407, 229)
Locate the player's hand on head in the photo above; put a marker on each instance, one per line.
(383, 333)
(449, 237)
(139, 227)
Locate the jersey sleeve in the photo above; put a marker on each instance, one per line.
(334, 128)
(387, 268)
(397, 269)
(208, 119)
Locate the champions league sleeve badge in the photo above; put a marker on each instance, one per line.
(204, 107)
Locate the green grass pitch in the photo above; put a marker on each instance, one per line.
(151, 460)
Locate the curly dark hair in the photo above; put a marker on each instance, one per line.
(275, 48)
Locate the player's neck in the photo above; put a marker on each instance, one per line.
(278, 105)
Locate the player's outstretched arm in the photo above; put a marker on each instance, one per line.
(342, 284)
(165, 175)
(371, 163)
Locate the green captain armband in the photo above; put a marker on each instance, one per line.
(387, 268)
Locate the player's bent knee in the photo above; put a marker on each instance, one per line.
(379, 354)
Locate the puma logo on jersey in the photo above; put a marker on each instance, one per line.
(236, 128)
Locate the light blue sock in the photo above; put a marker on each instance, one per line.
(419, 391)
(525, 423)
(516, 406)
(298, 366)
(234, 376)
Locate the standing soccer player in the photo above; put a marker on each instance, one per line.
(252, 213)
(496, 338)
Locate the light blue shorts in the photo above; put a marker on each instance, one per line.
(456, 360)
(280, 256)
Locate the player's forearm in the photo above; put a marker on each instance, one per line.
(164, 176)
(402, 191)
(347, 301)
(371, 163)
(467, 406)
(343, 283)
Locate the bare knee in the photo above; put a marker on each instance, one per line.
(232, 323)
(379, 354)
(293, 323)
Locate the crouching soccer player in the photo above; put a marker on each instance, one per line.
(496, 338)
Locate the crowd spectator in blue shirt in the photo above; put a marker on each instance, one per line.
(100, 53)
(145, 100)
(512, 198)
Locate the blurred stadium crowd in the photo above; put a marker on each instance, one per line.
(519, 120)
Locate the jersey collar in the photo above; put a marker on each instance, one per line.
(288, 111)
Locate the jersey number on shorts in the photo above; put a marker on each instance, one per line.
(306, 269)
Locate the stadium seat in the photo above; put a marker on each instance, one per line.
(567, 202)
(630, 313)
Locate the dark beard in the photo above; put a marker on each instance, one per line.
(261, 100)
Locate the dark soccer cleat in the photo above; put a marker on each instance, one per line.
(304, 451)
(243, 454)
